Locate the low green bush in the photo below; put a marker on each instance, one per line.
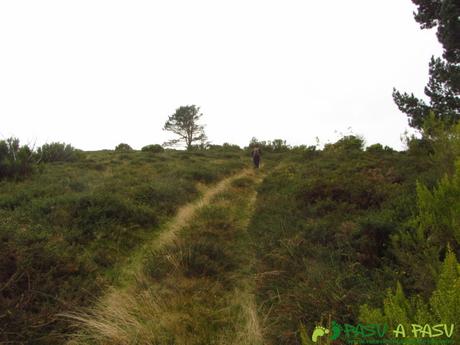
(349, 143)
(16, 161)
(122, 147)
(378, 149)
(155, 148)
(58, 152)
(165, 195)
(93, 211)
(225, 147)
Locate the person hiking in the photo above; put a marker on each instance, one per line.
(256, 153)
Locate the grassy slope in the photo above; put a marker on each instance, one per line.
(64, 232)
(194, 288)
(322, 227)
(317, 245)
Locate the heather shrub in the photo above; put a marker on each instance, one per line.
(155, 148)
(122, 147)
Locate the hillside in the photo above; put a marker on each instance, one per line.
(200, 248)
(65, 230)
(213, 220)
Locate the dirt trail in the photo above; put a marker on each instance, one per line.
(145, 311)
(184, 215)
(250, 329)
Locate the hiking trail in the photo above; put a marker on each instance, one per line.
(191, 284)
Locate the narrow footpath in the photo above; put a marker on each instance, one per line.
(192, 284)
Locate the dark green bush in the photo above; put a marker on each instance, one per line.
(378, 148)
(359, 189)
(420, 146)
(275, 145)
(11, 201)
(92, 211)
(16, 161)
(155, 148)
(371, 241)
(231, 147)
(375, 148)
(58, 152)
(310, 152)
(225, 147)
(165, 195)
(122, 147)
(349, 143)
(199, 173)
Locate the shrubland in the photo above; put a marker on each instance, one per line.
(339, 228)
(352, 233)
(68, 226)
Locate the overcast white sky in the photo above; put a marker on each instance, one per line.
(96, 73)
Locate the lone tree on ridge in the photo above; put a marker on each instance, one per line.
(184, 123)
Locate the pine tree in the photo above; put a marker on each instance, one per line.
(443, 88)
(184, 123)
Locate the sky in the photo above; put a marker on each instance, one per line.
(96, 73)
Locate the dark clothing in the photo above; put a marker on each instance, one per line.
(256, 157)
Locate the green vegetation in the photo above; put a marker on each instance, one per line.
(155, 148)
(193, 247)
(184, 124)
(440, 307)
(193, 289)
(66, 229)
(275, 145)
(16, 161)
(443, 87)
(335, 230)
(122, 147)
(322, 226)
(225, 147)
(58, 152)
(329, 235)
